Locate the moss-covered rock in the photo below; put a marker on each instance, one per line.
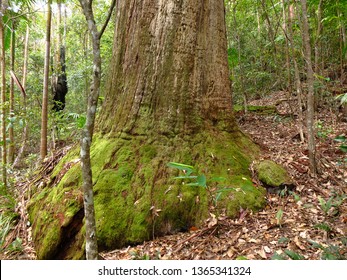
(136, 196)
(273, 176)
(266, 110)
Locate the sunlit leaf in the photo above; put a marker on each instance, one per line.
(277, 256)
(323, 226)
(283, 240)
(293, 255)
(192, 184)
(340, 138)
(343, 148)
(180, 166)
(279, 216)
(186, 177)
(201, 180)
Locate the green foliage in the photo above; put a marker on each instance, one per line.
(15, 246)
(325, 205)
(283, 240)
(277, 256)
(331, 205)
(279, 217)
(343, 140)
(5, 227)
(322, 130)
(331, 252)
(8, 217)
(187, 169)
(323, 226)
(293, 255)
(342, 98)
(297, 197)
(288, 254)
(200, 181)
(136, 255)
(233, 57)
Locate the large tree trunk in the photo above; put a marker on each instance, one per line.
(168, 99)
(170, 71)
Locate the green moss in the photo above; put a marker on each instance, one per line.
(269, 109)
(112, 189)
(272, 174)
(73, 154)
(147, 152)
(102, 152)
(135, 195)
(49, 241)
(238, 193)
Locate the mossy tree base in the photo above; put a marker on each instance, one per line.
(136, 197)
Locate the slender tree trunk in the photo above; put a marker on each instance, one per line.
(299, 97)
(310, 93)
(59, 80)
(271, 31)
(317, 52)
(44, 117)
(298, 86)
(287, 49)
(3, 99)
(87, 134)
(25, 59)
(238, 39)
(317, 42)
(24, 79)
(11, 147)
(89, 212)
(343, 41)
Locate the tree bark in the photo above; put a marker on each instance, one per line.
(11, 146)
(44, 116)
(89, 213)
(24, 79)
(3, 98)
(87, 134)
(287, 48)
(343, 41)
(170, 72)
(317, 42)
(310, 93)
(238, 40)
(298, 85)
(59, 80)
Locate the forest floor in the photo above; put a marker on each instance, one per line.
(309, 223)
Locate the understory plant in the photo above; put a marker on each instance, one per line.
(8, 218)
(343, 140)
(189, 177)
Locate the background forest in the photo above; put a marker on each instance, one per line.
(283, 75)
